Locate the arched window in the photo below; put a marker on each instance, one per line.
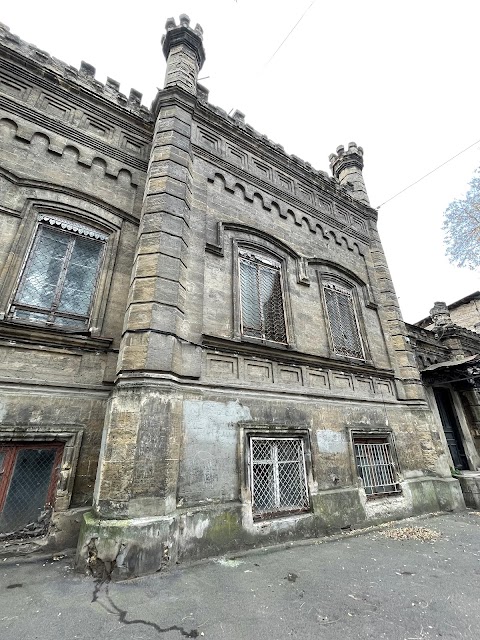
(342, 321)
(261, 297)
(58, 280)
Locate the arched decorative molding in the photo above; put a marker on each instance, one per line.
(330, 269)
(299, 218)
(218, 247)
(66, 149)
(68, 191)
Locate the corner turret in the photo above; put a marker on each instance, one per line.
(184, 52)
(347, 168)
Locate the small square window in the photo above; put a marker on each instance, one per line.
(261, 296)
(59, 277)
(278, 478)
(375, 465)
(342, 321)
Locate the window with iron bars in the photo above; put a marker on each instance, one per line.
(374, 459)
(261, 297)
(59, 277)
(342, 321)
(278, 477)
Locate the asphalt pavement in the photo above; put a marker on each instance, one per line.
(386, 583)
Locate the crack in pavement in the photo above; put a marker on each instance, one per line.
(122, 614)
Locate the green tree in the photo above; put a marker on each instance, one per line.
(461, 225)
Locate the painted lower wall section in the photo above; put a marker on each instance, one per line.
(216, 511)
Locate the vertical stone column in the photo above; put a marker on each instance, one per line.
(138, 465)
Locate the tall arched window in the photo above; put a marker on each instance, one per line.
(58, 281)
(342, 321)
(261, 297)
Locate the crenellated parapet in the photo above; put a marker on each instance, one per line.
(54, 70)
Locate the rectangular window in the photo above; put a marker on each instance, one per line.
(59, 277)
(342, 321)
(262, 309)
(375, 465)
(278, 479)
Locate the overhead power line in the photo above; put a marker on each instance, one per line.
(430, 173)
(290, 33)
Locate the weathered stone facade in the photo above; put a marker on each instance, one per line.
(241, 299)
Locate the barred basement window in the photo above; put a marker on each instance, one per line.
(278, 478)
(342, 321)
(375, 465)
(60, 274)
(261, 295)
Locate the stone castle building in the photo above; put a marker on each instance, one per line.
(201, 346)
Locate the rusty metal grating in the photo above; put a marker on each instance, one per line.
(375, 466)
(59, 278)
(277, 476)
(342, 321)
(263, 314)
(28, 476)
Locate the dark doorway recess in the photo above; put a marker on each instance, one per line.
(451, 427)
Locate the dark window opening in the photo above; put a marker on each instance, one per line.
(342, 322)
(59, 278)
(28, 476)
(261, 296)
(375, 466)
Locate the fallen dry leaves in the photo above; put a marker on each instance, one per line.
(423, 534)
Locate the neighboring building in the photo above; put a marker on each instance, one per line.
(448, 355)
(222, 311)
(464, 313)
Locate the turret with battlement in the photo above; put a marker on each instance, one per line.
(183, 50)
(347, 168)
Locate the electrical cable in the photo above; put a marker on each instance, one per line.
(290, 33)
(429, 173)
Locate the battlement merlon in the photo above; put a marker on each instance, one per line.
(347, 168)
(184, 52)
(52, 68)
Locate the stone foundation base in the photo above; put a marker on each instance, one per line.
(126, 548)
(470, 484)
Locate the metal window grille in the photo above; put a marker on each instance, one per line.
(261, 296)
(278, 478)
(375, 466)
(28, 476)
(59, 277)
(342, 321)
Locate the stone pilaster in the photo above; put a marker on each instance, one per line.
(138, 465)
